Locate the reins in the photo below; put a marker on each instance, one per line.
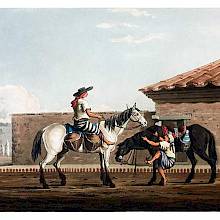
(131, 128)
(134, 127)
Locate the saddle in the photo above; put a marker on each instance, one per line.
(81, 141)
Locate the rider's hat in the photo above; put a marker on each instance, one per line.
(82, 90)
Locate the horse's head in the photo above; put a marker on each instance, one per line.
(137, 117)
(123, 149)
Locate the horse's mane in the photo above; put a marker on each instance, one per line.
(118, 120)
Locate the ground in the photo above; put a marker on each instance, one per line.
(84, 192)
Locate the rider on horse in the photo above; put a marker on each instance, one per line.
(82, 115)
(82, 112)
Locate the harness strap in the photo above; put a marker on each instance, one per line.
(72, 145)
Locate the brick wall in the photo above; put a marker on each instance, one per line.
(25, 127)
(205, 114)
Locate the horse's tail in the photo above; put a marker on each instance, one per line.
(212, 147)
(36, 149)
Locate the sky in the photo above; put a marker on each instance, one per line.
(47, 54)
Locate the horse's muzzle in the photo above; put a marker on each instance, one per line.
(119, 158)
(143, 125)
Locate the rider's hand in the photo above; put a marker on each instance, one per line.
(145, 138)
(100, 117)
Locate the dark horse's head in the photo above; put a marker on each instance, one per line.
(123, 149)
(136, 142)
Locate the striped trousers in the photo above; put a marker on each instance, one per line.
(164, 161)
(86, 126)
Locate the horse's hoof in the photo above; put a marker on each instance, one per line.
(188, 181)
(211, 181)
(150, 183)
(63, 183)
(105, 183)
(45, 186)
(112, 185)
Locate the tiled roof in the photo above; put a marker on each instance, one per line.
(199, 77)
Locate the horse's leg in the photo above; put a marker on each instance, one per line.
(111, 184)
(43, 164)
(154, 177)
(57, 164)
(213, 172)
(106, 157)
(191, 156)
(211, 162)
(102, 174)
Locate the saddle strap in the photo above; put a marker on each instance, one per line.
(71, 145)
(90, 146)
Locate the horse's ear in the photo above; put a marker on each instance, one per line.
(134, 107)
(127, 106)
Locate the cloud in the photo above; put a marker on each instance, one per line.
(108, 25)
(138, 40)
(133, 12)
(16, 99)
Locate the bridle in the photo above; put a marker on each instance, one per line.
(134, 120)
(131, 127)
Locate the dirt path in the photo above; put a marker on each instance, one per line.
(84, 192)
